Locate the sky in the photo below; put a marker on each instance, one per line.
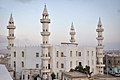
(83, 13)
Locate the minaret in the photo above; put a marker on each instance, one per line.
(100, 65)
(72, 33)
(45, 45)
(11, 36)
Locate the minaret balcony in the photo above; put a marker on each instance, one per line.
(72, 33)
(45, 20)
(11, 27)
(45, 70)
(10, 37)
(100, 38)
(45, 33)
(100, 65)
(100, 30)
(45, 58)
(45, 45)
(100, 56)
(72, 40)
(100, 47)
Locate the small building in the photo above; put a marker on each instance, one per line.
(74, 76)
(112, 63)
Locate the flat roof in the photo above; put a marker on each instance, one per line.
(75, 74)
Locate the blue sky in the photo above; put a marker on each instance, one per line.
(83, 13)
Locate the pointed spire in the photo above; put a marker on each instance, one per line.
(99, 22)
(11, 18)
(45, 12)
(72, 27)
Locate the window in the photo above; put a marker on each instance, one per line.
(37, 65)
(79, 53)
(57, 64)
(76, 53)
(62, 65)
(12, 34)
(70, 63)
(14, 54)
(14, 64)
(87, 53)
(57, 75)
(61, 54)
(57, 53)
(88, 62)
(92, 53)
(37, 54)
(22, 64)
(48, 66)
(12, 45)
(22, 53)
(28, 76)
(14, 74)
(80, 64)
(23, 76)
(76, 62)
(92, 62)
(70, 53)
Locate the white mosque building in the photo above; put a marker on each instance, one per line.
(29, 62)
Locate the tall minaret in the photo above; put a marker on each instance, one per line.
(100, 65)
(72, 33)
(11, 35)
(45, 45)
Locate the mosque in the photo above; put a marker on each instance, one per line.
(32, 62)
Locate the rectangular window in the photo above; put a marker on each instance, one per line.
(88, 62)
(12, 34)
(14, 54)
(79, 53)
(14, 64)
(57, 65)
(57, 75)
(37, 65)
(48, 66)
(22, 53)
(62, 54)
(62, 65)
(12, 45)
(28, 76)
(22, 64)
(37, 54)
(23, 76)
(87, 53)
(92, 62)
(57, 53)
(76, 53)
(70, 63)
(92, 53)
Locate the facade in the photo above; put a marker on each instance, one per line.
(32, 62)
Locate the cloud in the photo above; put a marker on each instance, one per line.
(24, 1)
